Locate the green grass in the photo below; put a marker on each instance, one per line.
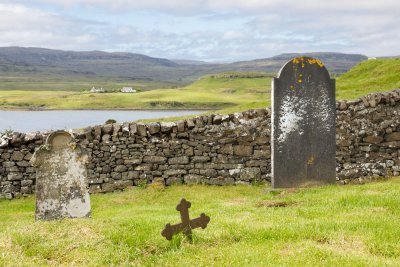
(207, 93)
(226, 93)
(355, 225)
(368, 77)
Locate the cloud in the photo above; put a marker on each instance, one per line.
(242, 6)
(20, 25)
(220, 30)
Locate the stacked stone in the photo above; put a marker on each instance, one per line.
(215, 149)
(212, 149)
(17, 176)
(368, 136)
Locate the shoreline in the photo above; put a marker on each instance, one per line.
(107, 109)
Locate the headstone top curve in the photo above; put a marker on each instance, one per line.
(59, 139)
(301, 62)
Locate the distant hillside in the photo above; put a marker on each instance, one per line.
(335, 62)
(35, 65)
(370, 76)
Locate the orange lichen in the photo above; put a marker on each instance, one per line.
(298, 60)
(315, 61)
(300, 80)
(310, 61)
(310, 161)
(291, 87)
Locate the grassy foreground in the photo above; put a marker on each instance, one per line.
(355, 225)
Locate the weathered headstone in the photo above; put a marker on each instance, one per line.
(186, 225)
(303, 125)
(61, 179)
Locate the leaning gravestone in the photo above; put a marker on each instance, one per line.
(303, 125)
(61, 179)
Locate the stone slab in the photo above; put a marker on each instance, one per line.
(303, 125)
(61, 179)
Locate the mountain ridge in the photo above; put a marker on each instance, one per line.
(17, 61)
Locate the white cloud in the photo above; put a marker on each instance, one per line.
(205, 29)
(23, 26)
(253, 6)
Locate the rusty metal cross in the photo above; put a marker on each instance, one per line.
(186, 225)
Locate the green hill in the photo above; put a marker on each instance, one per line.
(226, 92)
(229, 91)
(368, 77)
(29, 68)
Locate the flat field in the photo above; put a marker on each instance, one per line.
(209, 93)
(352, 225)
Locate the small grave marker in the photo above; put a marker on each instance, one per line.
(303, 125)
(61, 179)
(186, 225)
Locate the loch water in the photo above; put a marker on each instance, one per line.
(31, 121)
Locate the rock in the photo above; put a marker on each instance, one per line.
(173, 180)
(200, 159)
(250, 174)
(141, 129)
(210, 173)
(167, 126)
(155, 159)
(3, 142)
(342, 105)
(121, 168)
(242, 150)
(395, 136)
(108, 129)
(372, 101)
(17, 139)
(116, 128)
(29, 137)
(14, 176)
(8, 164)
(133, 128)
(193, 179)
(172, 172)
(181, 126)
(217, 119)
(190, 124)
(154, 127)
(108, 187)
(226, 149)
(373, 139)
(97, 132)
(179, 160)
(106, 138)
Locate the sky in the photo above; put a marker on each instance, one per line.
(208, 30)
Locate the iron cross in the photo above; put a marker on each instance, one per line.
(186, 225)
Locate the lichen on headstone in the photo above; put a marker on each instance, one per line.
(303, 125)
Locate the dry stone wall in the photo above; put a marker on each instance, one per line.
(215, 149)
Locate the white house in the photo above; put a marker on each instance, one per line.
(128, 90)
(97, 90)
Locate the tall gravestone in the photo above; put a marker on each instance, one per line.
(61, 179)
(303, 125)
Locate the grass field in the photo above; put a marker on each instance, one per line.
(354, 225)
(220, 92)
(211, 93)
(368, 77)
